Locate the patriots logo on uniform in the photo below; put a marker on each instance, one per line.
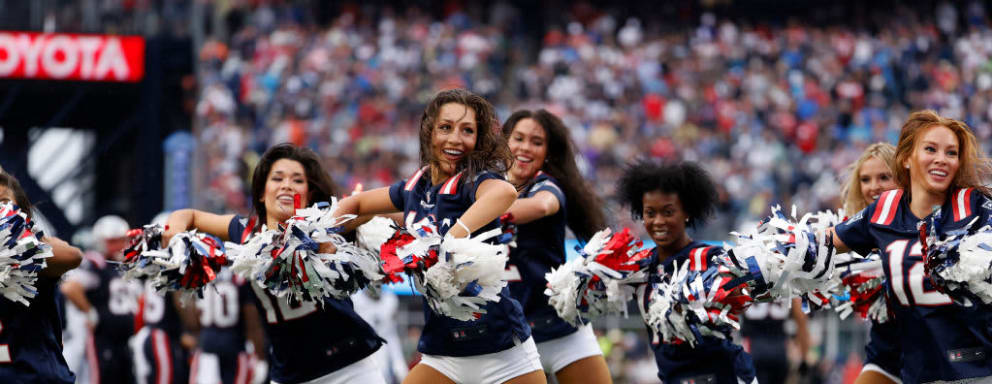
(860, 215)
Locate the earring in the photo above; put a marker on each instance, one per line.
(687, 220)
(907, 166)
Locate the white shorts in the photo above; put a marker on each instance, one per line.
(559, 353)
(494, 368)
(362, 371)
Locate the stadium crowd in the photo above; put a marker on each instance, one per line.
(774, 111)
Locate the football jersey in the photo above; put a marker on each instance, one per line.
(540, 247)
(949, 342)
(222, 328)
(31, 339)
(763, 329)
(114, 298)
(442, 205)
(712, 359)
(307, 340)
(160, 312)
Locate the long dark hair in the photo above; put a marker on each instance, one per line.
(688, 180)
(20, 198)
(319, 183)
(585, 214)
(490, 153)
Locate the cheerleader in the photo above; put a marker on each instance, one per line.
(310, 343)
(872, 174)
(551, 195)
(460, 189)
(671, 199)
(938, 164)
(31, 336)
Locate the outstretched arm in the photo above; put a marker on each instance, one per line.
(65, 257)
(365, 204)
(529, 209)
(186, 219)
(492, 199)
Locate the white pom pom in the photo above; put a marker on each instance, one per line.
(22, 255)
(374, 233)
(288, 262)
(468, 274)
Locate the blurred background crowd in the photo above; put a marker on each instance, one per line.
(776, 110)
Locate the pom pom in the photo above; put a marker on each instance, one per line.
(688, 305)
(858, 286)
(288, 261)
(601, 281)
(468, 275)
(960, 263)
(373, 234)
(189, 263)
(22, 255)
(784, 258)
(458, 277)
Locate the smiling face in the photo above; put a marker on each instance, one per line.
(665, 220)
(875, 177)
(935, 160)
(286, 179)
(529, 146)
(452, 138)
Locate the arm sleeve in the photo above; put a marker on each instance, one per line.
(235, 229)
(473, 187)
(550, 186)
(854, 232)
(398, 195)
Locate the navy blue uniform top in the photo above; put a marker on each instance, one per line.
(540, 247)
(306, 340)
(950, 342)
(442, 205)
(763, 329)
(115, 299)
(222, 327)
(31, 339)
(711, 359)
(160, 312)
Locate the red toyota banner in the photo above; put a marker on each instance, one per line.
(63, 56)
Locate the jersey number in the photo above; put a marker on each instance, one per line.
(286, 310)
(4, 349)
(154, 306)
(123, 297)
(219, 308)
(918, 294)
(762, 311)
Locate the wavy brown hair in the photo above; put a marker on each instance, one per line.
(973, 162)
(490, 152)
(584, 213)
(854, 199)
(319, 183)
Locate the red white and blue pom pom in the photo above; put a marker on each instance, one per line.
(190, 261)
(467, 276)
(785, 258)
(688, 304)
(960, 263)
(287, 261)
(22, 255)
(857, 287)
(458, 276)
(601, 281)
